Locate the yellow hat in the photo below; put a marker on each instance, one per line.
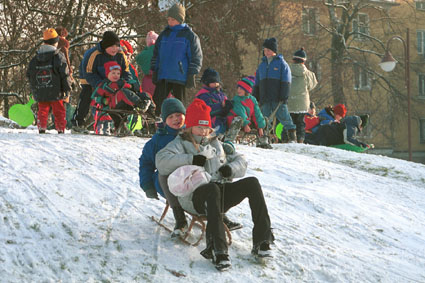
(50, 36)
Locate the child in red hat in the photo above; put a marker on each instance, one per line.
(196, 146)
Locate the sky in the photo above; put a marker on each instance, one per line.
(72, 211)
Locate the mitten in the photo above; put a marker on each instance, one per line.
(151, 193)
(190, 83)
(225, 171)
(199, 160)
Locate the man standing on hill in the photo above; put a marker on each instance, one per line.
(177, 58)
(272, 85)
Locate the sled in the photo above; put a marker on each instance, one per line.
(20, 113)
(350, 147)
(198, 220)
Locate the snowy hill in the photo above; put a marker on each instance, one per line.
(72, 210)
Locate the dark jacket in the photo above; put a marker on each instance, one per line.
(177, 54)
(272, 81)
(91, 68)
(48, 74)
(148, 173)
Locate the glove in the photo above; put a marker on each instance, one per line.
(190, 83)
(225, 171)
(151, 193)
(199, 160)
(154, 77)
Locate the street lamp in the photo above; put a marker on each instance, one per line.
(388, 64)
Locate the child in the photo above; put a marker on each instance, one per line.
(246, 106)
(50, 82)
(114, 93)
(143, 59)
(196, 146)
(339, 111)
(128, 51)
(310, 121)
(212, 95)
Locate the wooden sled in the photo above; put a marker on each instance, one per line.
(198, 220)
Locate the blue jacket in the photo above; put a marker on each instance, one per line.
(214, 98)
(325, 119)
(148, 173)
(272, 81)
(177, 54)
(91, 68)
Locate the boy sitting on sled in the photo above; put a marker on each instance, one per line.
(196, 146)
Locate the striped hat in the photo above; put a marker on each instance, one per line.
(247, 83)
(300, 54)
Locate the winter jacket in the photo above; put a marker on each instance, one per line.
(148, 173)
(110, 94)
(91, 68)
(48, 74)
(143, 59)
(339, 133)
(180, 152)
(325, 118)
(247, 108)
(310, 122)
(177, 54)
(303, 81)
(272, 81)
(214, 98)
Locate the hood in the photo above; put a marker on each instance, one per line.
(46, 53)
(298, 70)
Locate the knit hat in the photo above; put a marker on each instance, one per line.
(109, 39)
(300, 54)
(151, 38)
(198, 114)
(111, 65)
(210, 76)
(247, 83)
(271, 43)
(126, 47)
(50, 36)
(365, 120)
(178, 12)
(170, 106)
(340, 110)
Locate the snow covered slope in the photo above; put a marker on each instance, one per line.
(71, 210)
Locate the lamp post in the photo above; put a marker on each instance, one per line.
(388, 64)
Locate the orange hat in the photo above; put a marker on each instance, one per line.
(50, 36)
(340, 110)
(198, 114)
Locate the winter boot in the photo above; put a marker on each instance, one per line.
(262, 250)
(222, 261)
(230, 224)
(234, 129)
(79, 130)
(292, 136)
(181, 224)
(263, 142)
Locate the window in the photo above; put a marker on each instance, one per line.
(361, 78)
(422, 129)
(361, 26)
(420, 34)
(421, 85)
(309, 18)
(420, 5)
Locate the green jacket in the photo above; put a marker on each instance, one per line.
(143, 59)
(303, 81)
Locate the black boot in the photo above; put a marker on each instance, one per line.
(181, 224)
(292, 136)
(230, 224)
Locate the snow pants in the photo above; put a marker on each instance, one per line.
(59, 113)
(234, 193)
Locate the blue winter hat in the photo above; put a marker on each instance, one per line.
(210, 76)
(300, 54)
(170, 106)
(271, 43)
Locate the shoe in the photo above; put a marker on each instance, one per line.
(79, 130)
(230, 224)
(42, 131)
(292, 136)
(180, 228)
(262, 251)
(222, 262)
(61, 132)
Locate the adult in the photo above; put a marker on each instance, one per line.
(92, 72)
(303, 81)
(177, 57)
(272, 86)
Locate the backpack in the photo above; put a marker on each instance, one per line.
(45, 82)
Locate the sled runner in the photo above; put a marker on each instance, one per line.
(198, 220)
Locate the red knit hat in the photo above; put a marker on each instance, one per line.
(340, 110)
(111, 65)
(247, 83)
(198, 114)
(126, 47)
